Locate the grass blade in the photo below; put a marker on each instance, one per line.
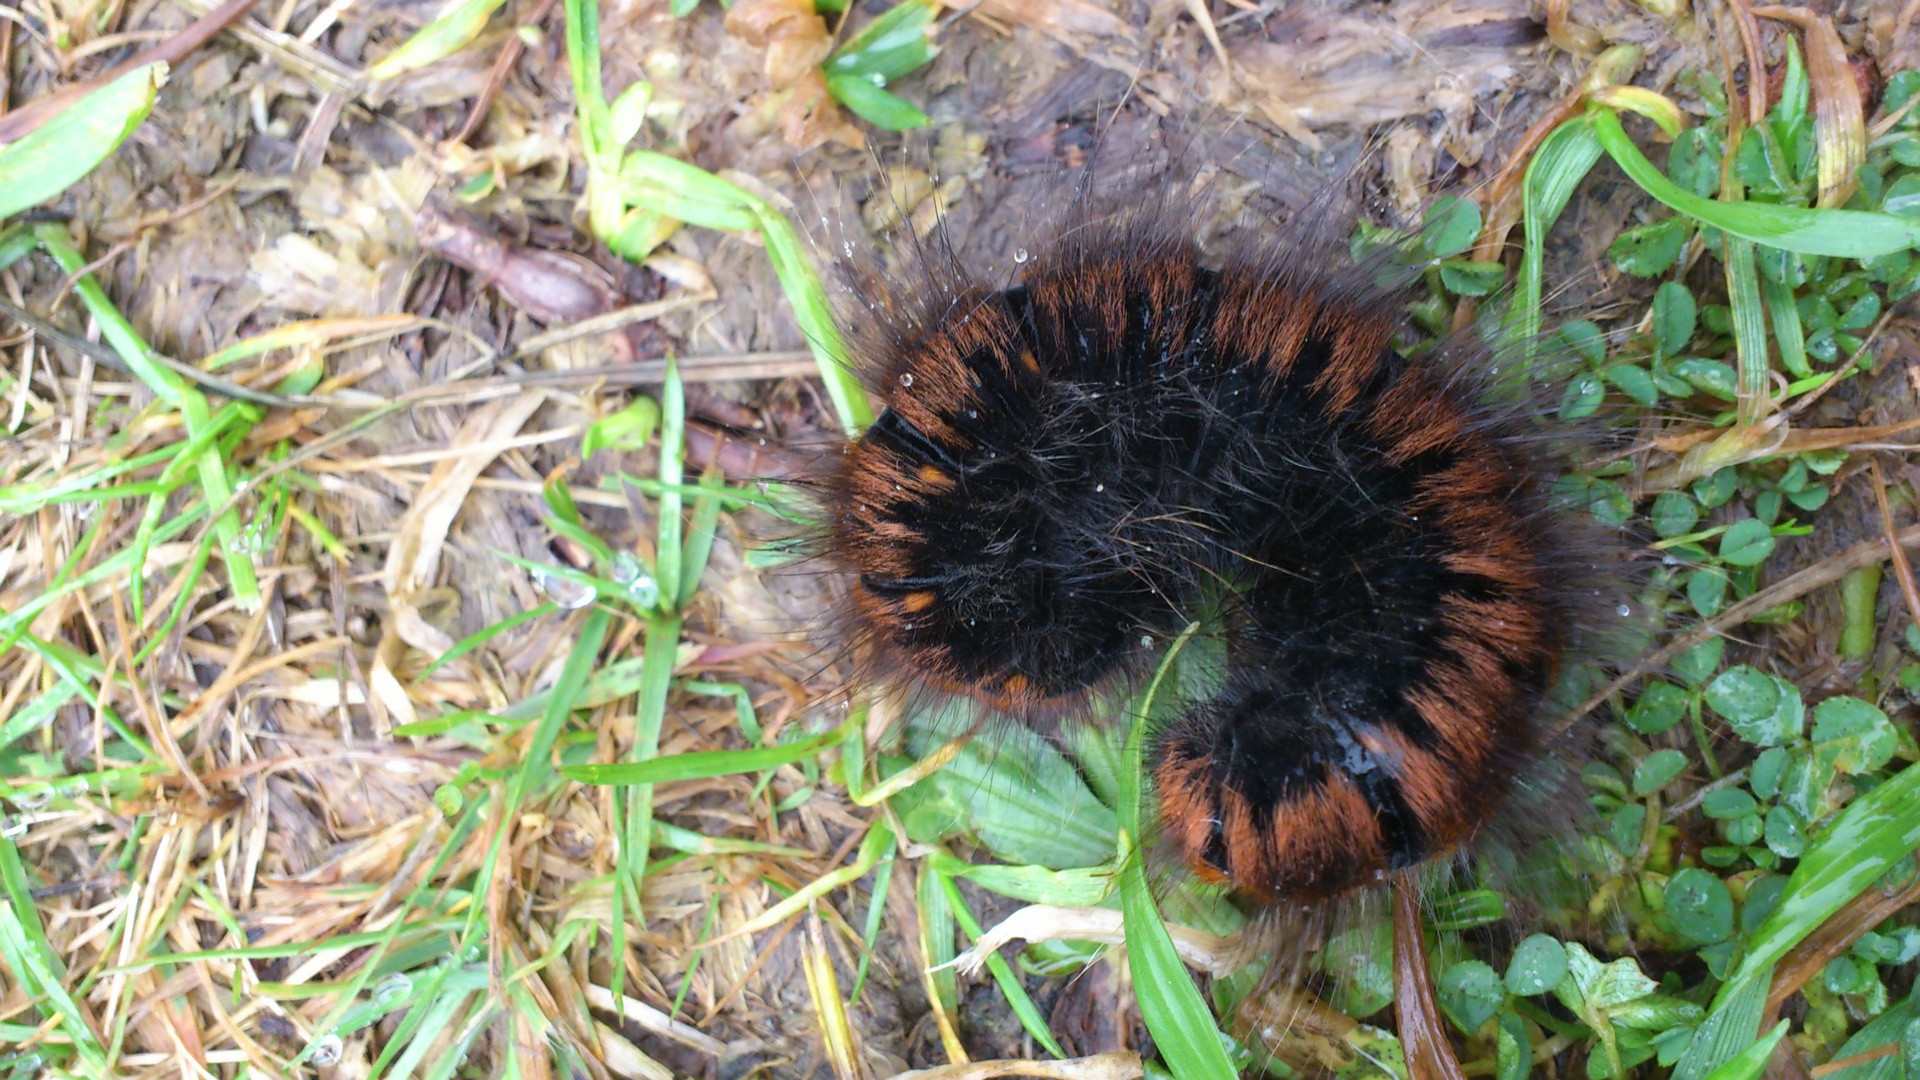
(42, 165)
(701, 764)
(1170, 1004)
(1849, 234)
(1558, 166)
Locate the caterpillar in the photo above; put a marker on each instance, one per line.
(1068, 469)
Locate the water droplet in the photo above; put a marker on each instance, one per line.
(1146, 641)
(847, 247)
(568, 594)
(644, 591)
(326, 1050)
(973, 414)
(1624, 610)
(1020, 255)
(1099, 487)
(906, 378)
(392, 988)
(626, 567)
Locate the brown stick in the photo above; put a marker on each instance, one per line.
(1797, 585)
(1423, 1031)
(1833, 937)
(1902, 569)
(497, 78)
(22, 121)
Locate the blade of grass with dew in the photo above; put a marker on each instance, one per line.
(41, 165)
(1875, 832)
(441, 983)
(661, 650)
(1016, 995)
(171, 388)
(453, 29)
(1847, 234)
(1182, 1026)
(1563, 159)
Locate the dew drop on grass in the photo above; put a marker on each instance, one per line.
(392, 988)
(326, 1050)
(906, 379)
(1020, 255)
(1146, 641)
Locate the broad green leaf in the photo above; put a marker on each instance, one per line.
(1659, 706)
(1747, 543)
(881, 108)
(1699, 906)
(1762, 709)
(1470, 992)
(44, 163)
(890, 46)
(1657, 770)
(1674, 317)
(628, 429)
(1649, 250)
(1853, 736)
(1538, 965)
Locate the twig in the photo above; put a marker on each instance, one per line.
(1902, 569)
(1423, 1033)
(1792, 587)
(22, 121)
(107, 356)
(497, 78)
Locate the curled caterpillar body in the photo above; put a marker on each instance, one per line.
(1068, 470)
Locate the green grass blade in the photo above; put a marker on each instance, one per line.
(1023, 1006)
(1183, 1027)
(1558, 166)
(1749, 331)
(1870, 836)
(1751, 1062)
(538, 764)
(41, 165)
(480, 637)
(701, 764)
(1787, 331)
(1848, 234)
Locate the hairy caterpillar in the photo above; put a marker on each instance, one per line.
(1070, 469)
